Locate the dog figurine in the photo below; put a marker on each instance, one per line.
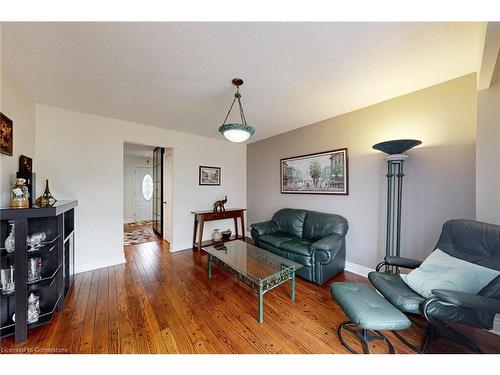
(220, 205)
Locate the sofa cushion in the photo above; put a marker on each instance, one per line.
(276, 239)
(318, 225)
(396, 291)
(368, 309)
(298, 246)
(305, 260)
(290, 220)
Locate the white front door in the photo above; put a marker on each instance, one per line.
(143, 193)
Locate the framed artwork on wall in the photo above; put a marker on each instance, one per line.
(209, 176)
(6, 139)
(319, 173)
(25, 164)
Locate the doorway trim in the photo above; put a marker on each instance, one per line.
(158, 179)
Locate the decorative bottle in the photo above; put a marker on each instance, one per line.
(10, 241)
(33, 308)
(20, 194)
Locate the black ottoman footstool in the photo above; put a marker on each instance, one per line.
(368, 312)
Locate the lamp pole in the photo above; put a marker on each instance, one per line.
(395, 173)
(394, 202)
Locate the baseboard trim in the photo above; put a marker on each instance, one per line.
(183, 247)
(357, 269)
(102, 264)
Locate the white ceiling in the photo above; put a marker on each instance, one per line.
(178, 75)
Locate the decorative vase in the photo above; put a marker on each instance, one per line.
(216, 235)
(10, 241)
(20, 194)
(226, 235)
(46, 199)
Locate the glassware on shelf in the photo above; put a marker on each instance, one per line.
(7, 280)
(35, 240)
(20, 194)
(34, 269)
(33, 308)
(10, 241)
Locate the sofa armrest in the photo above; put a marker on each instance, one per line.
(402, 262)
(399, 262)
(471, 301)
(330, 243)
(265, 227)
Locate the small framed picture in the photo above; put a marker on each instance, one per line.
(209, 176)
(6, 130)
(25, 164)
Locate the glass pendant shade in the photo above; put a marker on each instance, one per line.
(237, 132)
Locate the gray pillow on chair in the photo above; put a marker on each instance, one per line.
(442, 271)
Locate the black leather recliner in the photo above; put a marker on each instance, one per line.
(471, 241)
(314, 239)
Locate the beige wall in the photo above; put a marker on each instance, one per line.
(82, 155)
(440, 174)
(17, 105)
(488, 152)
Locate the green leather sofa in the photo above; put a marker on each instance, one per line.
(314, 239)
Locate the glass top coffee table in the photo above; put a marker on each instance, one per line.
(259, 269)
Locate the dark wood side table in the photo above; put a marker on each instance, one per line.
(201, 216)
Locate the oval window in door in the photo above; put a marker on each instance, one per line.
(147, 187)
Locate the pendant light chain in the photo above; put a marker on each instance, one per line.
(242, 114)
(228, 112)
(237, 97)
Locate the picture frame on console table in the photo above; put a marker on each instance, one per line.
(324, 172)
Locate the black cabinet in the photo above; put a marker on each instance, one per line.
(57, 263)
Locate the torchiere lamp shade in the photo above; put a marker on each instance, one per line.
(397, 146)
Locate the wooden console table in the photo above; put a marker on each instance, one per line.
(201, 216)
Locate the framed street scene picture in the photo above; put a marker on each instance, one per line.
(318, 173)
(209, 176)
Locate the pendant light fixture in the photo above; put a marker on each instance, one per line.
(237, 132)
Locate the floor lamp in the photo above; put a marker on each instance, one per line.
(395, 161)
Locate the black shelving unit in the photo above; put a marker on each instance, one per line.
(57, 254)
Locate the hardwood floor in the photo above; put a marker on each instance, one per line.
(162, 302)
